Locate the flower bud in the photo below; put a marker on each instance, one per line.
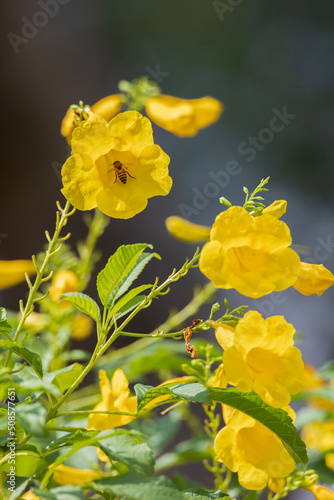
(186, 231)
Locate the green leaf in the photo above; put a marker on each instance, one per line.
(70, 439)
(61, 493)
(27, 382)
(84, 303)
(26, 464)
(275, 419)
(194, 393)
(4, 326)
(145, 394)
(136, 487)
(64, 377)
(127, 298)
(32, 418)
(203, 494)
(129, 450)
(132, 304)
(32, 358)
(123, 267)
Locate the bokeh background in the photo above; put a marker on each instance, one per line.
(255, 57)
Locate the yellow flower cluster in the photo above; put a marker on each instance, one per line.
(251, 449)
(258, 355)
(252, 254)
(115, 166)
(182, 117)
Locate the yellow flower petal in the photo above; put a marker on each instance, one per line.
(276, 485)
(69, 123)
(313, 278)
(132, 130)
(261, 356)
(63, 282)
(115, 167)
(102, 456)
(219, 378)
(12, 272)
(249, 448)
(103, 110)
(276, 209)
(329, 460)
(224, 334)
(183, 117)
(29, 495)
(115, 397)
(186, 231)
(81, 182)
(81, 327)
(69, 475)
(249, 254)
(321, 493)
(108, 107)
(319, 435)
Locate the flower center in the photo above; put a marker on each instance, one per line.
(245, 259)
(116, 167)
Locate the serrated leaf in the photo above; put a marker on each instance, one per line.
(4, 325)
(136, 487)
(143, 259)
(71, 438)
(123, 267)
(32, 358)
(84, 303)
(194, 393)
(124, 448)
(146, 394)
(275, 419)
(128, 298)
(203, 494)
(64, 377)
(132, 304)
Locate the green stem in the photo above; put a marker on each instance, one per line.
(99, 351)
(51, 250)
(90, 412)
(52, 411)
(217, 469)
(153, 335)
(200, 297)
(88, 257)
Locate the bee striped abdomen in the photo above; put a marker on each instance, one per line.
(121, 172)
(122, 175)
